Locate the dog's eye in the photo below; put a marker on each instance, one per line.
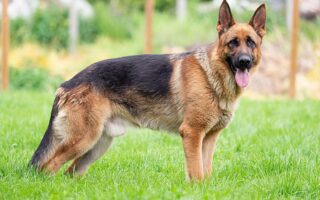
(250, 43)
(233, 43)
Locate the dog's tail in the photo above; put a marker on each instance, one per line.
(47, 143)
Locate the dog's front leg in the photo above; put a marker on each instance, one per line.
(208, 146)
(192, 143)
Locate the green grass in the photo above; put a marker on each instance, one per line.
(270, 150)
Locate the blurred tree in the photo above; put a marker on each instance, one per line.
(50, 27)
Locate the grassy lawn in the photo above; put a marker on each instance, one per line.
(270, 150)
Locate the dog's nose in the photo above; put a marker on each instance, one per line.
(245, 61)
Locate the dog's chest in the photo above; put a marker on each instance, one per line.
(227, 109)
(228, 105)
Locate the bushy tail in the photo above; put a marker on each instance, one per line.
(41, 155)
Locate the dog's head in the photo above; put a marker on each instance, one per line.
(240, 44)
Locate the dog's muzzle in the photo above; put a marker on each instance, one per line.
(244, 62)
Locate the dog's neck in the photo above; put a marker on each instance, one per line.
(221, 79)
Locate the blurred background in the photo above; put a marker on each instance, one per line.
(51, 40)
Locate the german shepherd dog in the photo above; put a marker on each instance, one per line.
(193, 94)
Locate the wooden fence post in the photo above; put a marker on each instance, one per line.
(294, 47)
(148, 9)
(5, 45)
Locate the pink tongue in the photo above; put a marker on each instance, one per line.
(242, 78)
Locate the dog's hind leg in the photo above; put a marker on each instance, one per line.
(113, 127)
(79, 130)
(81, 164)
(70, 150)
(49, 141)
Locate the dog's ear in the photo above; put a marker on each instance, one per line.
(225, 18)
(258, 20)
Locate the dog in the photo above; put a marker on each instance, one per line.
(193, 94)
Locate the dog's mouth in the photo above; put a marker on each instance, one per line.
(242, 77)
(241, 74)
